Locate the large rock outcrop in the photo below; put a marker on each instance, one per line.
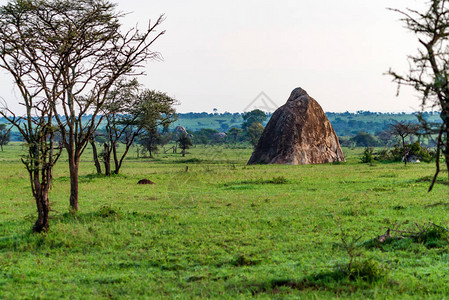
(298, 133)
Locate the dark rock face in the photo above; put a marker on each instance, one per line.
(298, 133)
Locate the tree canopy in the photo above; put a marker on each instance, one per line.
(64, 57)
(254, 116)
(429, 68)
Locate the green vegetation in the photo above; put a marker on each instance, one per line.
(345, 124)
(222, 229)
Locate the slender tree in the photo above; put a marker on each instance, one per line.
(5, 135)
(38, 132)
(151, 140)
(402, 130)
(429, 68)
(234, 133)
(131, 112)
(121, 113)
(184, 143)
(93, 144)
(74, 50)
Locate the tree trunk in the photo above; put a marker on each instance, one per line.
(40, 194)
(73, 167)
(1, 145)
(43, 209)
(405, 151)
(446, 148)
(95, 153)
(116, 161)
(119, 163)
(107, 160)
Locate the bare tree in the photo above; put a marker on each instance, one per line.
(403, 130)
(38, 132)
(129, 113)
(74, 50)
(95, 152)
(119, 108)
(429, 68)
(150, 141)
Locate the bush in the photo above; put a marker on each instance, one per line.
(279, 180)
(397, 153)
(363, 139)
(382, 155)
(367, 156)
(367, 270)
(107, 212)
(425, 154)
(433, 237)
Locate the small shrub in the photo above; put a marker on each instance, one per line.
(367, 156)
(425, 154)
(382, 155)
(279, 180)
(367, 270)
(433, 237)
(107, 212)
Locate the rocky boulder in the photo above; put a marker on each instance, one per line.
(298, 133)
(180, 130)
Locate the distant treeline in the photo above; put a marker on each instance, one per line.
(345, 124)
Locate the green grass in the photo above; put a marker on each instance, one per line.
(222, 230)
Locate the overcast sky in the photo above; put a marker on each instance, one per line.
(222, 54)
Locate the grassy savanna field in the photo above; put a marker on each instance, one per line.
(222, 230)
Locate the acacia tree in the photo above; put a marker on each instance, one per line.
(38, 132)
(402, 130)
(76, 50)
(255, 131)
(429, 68)
(254, 116)
(92, 142)
(131, 112)
(234, 134)
(118, 110)
(184, 142)
(151, 140)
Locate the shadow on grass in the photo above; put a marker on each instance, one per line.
(104, 213)
(336, 281)
(16, 239)
(429, 180)
(90, 177)
(195, 161)
(441, 203)
(18, 235)
(274, 180)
